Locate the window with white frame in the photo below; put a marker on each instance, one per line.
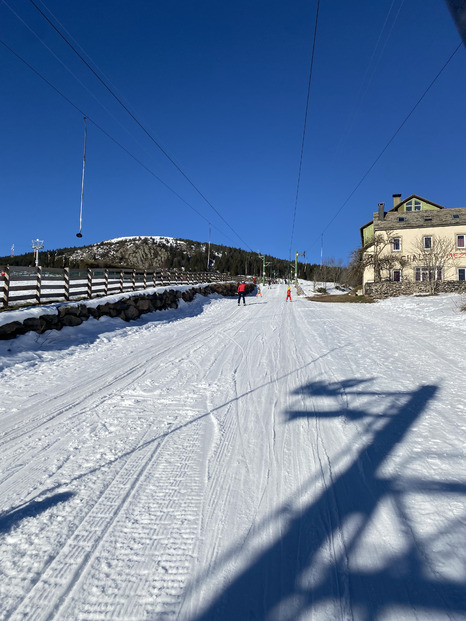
(397, 275)
(460, 241)
(423, 274)
(428, 242)
(396, 243)
(462, 273)
(413, 205)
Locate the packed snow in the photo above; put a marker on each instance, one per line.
(278, 461)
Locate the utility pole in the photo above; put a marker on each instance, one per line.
(261, 256)
(297, 254)
(208, 253)
(37, 245)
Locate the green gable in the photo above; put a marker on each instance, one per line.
(367, 233)
(416, 203)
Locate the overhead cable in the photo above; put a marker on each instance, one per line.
(369, 72)
(109, 136)
(305, 124)
(63, 64)
(394, 135)
(148, 134)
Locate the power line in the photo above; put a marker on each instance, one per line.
(369, 73)
(408, 116)
(148, 134)
(70, 36)
(69, 70)
(59, 60)
(109, 136)
(305, 124)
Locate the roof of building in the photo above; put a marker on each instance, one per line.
(415, 196)
(397, 207)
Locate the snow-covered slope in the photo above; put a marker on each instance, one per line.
(278, 461)
(138, 251)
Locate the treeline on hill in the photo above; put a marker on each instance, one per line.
(192, 256)
(48, 258)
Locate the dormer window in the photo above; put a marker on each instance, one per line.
(401, 219)
(413, 205)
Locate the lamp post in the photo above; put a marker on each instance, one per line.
(37, 245)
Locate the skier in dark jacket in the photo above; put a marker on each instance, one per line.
(242, 292)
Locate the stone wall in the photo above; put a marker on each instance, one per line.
(386, 289)
(126, 308)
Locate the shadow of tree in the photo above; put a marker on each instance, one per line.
(32, 509)
(318, 564)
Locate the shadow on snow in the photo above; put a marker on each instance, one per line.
(316, 563)
(32, 509)
(90, 331)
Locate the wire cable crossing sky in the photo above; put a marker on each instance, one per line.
(156, 143)
(109, 136)
(224, 86)
(304, 128)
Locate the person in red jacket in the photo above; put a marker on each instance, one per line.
(288, 293)
(242, 292)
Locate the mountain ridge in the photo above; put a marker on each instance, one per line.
(153, 252)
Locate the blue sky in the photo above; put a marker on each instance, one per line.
(222, 88)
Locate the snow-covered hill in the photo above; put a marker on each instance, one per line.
(278, 461)
(148, 251)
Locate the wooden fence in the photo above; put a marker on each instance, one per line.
(36, 285)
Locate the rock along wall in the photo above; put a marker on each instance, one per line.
(387, 289)
(126, 308)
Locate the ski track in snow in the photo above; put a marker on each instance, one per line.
(275, 462)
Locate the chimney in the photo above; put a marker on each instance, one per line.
(396, 200)
(381, 211)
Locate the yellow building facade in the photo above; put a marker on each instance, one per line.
(417, 245)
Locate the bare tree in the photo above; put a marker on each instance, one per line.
(338, 272)
(432, 254)
(378, 255)
(322, 274)
(355, 269)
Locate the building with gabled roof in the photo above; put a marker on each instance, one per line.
(417, 245)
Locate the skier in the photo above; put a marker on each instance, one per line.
(242, 292)
(288, 293)
(259, 292)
